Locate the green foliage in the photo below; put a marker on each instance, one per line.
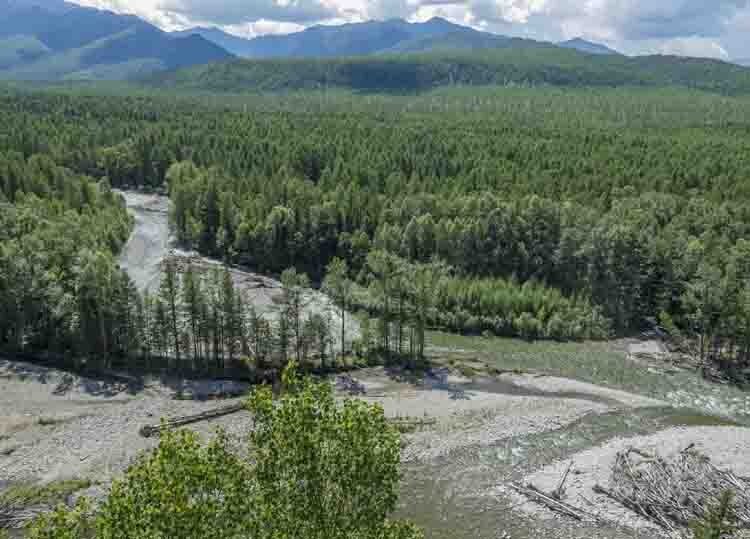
(58, 278)
(183, 490)
(313, 454)
(508, 308)
(310, 455)
(603, 211)
(720, 521)
(78, 522)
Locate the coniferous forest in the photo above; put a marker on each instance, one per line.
(533, 213)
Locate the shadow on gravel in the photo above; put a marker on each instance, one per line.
(110, 383)
(96, 384)
(204, 390)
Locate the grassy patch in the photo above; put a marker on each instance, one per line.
(598, 363)
(51, 494)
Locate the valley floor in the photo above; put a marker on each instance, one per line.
(491, 412)
(483, 429)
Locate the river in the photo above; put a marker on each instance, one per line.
(151, 243)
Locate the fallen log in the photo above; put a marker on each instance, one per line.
(412, 421)
(558, 506)
(149, 430)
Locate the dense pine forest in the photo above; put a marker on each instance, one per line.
(536, 213)
(514, 63)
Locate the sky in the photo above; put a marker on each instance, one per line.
(710, 28)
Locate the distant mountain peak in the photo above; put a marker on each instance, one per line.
(583, 45)
(54, 39)
(350, 39)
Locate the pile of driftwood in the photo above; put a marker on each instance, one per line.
(676, 491)
(15, 512)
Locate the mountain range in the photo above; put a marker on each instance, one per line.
(374, 37)
(55, 40)
(50, 40)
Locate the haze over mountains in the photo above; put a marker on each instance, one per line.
(54, 40)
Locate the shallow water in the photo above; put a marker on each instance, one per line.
(457, 496)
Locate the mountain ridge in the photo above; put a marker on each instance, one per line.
(377, 37)
(323, 41)
(67, 40)
(359, 39)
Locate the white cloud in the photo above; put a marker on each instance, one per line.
(146, 9)
(698, 47)
(241, 11)
(262, 27)
(715, 28)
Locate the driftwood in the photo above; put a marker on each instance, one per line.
(552, 503)
(559, 492)
(16, 519)
(16, 511)
(149, 430)
(412, 421)
(673, 492)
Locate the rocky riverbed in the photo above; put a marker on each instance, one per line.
(480, 434)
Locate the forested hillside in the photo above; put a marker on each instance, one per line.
(554, 215)
(516, 62)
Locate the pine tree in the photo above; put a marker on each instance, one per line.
(719, 522)
(169, 294)
(338, 286)
(294, 300)
(192, 301)
(424, 284)
(229, 320)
